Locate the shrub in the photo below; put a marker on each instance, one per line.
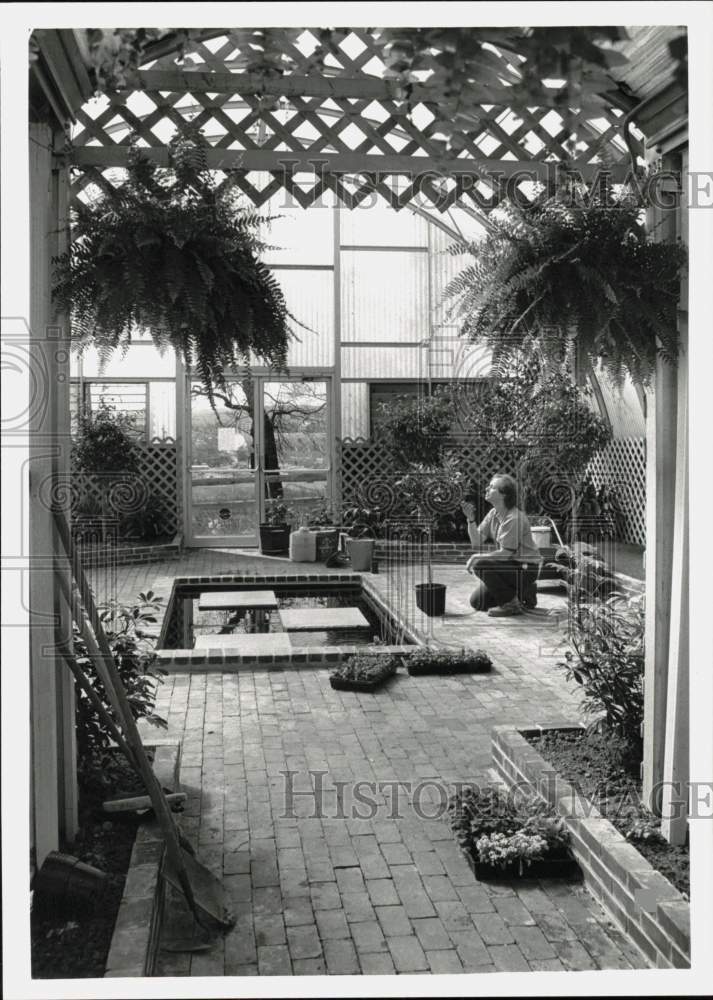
(414, 427)
(105, 442)
(133, 653)
(608, 662)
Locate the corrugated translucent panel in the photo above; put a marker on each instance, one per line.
(384, 295)
(444, 268)
(623, 407)
(380, 225)
(304, 235)
(449, 356)
(370, 362)
(310, 298)
(141, 361)
(355, 409)
(162, 409)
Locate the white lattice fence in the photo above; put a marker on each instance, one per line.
(363, 462)
(621, 467)
(118, 495)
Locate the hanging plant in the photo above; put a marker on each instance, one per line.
(568, 274)
(171, 253)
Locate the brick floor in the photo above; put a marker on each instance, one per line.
(370, 885)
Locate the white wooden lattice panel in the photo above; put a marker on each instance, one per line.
(621, 467)
(122, 494)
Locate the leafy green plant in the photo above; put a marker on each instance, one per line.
(105, 442)
(586, 574)
(428, 660)
(172, 253)
(366, 667)
(362, 522)
(413, 428)
(497, 829)
(322, 515)
(607, 660)
(278, 513)
(569, 273)
(133, 652)
(501, 851)
(146, 523)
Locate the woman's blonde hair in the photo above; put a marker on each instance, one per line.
(508, 487)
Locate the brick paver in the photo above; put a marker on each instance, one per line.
(373, 884)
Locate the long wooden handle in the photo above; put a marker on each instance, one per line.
(91, 630)
(99, 707)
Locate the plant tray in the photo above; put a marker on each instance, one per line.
(347, 684)
(419, 669)
(546, 868)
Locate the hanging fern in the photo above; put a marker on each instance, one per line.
(170, 253)
(558, 269)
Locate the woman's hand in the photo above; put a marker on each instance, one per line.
(469, 510)
(470, 563)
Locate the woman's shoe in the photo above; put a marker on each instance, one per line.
(507, 610)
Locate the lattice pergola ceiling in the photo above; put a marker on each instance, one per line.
(347, 128)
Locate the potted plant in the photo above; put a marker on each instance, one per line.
(430, 596)
(580, 276)
(173, 253)
(321, 522)
(428, 660)
(504, 837)
(275, 529)
(364, 672)
(362, 525)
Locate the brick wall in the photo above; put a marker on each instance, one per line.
(650, 910)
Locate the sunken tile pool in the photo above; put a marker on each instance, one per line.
(277, 616)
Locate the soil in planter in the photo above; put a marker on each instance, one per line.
(593, 764)
(76, 945)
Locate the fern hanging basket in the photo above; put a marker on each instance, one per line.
(171, 253)
(572, 277)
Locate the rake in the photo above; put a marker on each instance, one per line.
(203, 891)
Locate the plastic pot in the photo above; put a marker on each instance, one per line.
(361, 553)
(431, 598)
(274, 538)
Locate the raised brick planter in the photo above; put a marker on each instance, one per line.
(650, 910)
(134, 942)
(125, 555)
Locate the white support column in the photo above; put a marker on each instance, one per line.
(676, 745)
(665, 453)
(60, 371)
(336, 457)
(660, 499)
(676, 765)
(46, 683)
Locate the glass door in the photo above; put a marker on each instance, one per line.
(223, 467)
(296, 438)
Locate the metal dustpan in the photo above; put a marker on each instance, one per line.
(207, 889)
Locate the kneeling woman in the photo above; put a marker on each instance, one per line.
(506, 576)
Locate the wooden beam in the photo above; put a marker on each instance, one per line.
(298, 161)
(294, 85)
(320, 85)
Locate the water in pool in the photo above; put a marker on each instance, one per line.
(186, 622)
